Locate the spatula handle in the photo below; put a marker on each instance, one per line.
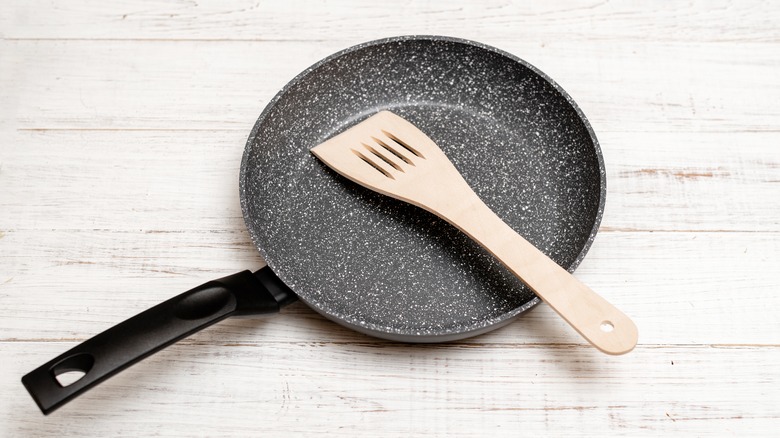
(598, 321)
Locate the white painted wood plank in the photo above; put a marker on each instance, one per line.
(680, 288)
(188, 180)
(622, 87)
(280, 389)
(568, 21)
(669, 181)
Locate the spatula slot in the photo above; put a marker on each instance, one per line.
(372, 164)
(383, 158)
(392, 151)
(403, 144)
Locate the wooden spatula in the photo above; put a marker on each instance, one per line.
(389, 155)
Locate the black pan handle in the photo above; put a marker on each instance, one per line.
(128, 342)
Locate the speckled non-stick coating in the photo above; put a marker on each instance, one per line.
(387, 268)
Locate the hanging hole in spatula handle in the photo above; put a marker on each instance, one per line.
(597, 320)
(108, 353)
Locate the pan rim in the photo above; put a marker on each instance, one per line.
(381, 331)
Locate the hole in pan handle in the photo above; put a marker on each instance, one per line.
(126, 343)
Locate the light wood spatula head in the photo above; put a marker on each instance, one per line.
(389, 155)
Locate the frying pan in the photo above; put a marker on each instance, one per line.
(366, 261)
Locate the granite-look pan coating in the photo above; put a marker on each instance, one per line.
(392, 270)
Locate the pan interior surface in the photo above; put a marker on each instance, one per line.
(387, 268)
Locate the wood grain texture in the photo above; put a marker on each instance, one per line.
(716, 289)
(721, 20)
(621, 87)
(394, 389)
(655, 181)
(121, 131)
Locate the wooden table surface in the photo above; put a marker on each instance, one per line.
(122, 126)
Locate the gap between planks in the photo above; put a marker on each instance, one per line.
(380, 343)
(247, 130)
